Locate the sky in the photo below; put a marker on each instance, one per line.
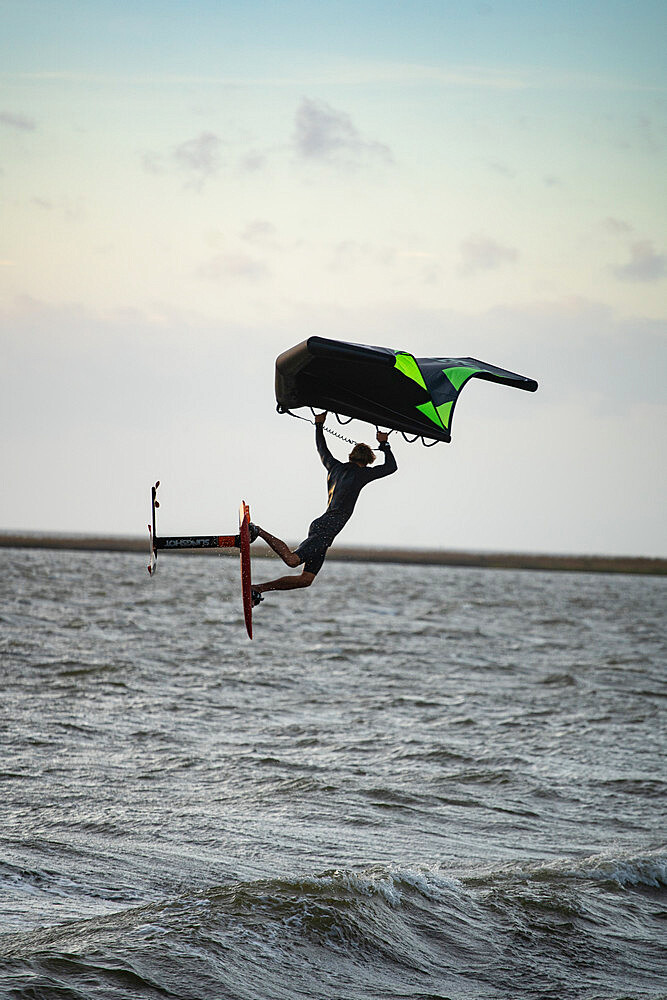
(189, 189)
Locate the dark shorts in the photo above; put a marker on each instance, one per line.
(313, 550)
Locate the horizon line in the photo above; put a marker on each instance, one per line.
(485, 559)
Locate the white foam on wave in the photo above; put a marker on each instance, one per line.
(429, 881)
(362, 883)
(630, 872)
(391, 882)
(624, 869)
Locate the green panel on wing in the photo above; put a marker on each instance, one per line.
(457, 376)
(444, 412)
(429, 410)
(407, 364)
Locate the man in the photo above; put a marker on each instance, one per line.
(345, 481)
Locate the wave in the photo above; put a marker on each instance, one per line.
(445, 931)
(320, 901)
(618, 870)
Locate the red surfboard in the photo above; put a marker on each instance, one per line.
(244, 545)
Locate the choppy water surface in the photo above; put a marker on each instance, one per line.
(415, 782)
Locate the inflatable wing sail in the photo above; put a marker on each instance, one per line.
(391, 389)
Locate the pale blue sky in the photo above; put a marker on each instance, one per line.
(188, 189)
(612, 37)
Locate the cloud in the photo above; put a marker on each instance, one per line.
(498, 167)
(353, 255)
(321, 133)
(479, 253)
(618, 227)
(252, 161)
(17, 121)
(641, 136)
(644, 264)
(224, 266)
(259, 232)
(199, 159)
(153, 163)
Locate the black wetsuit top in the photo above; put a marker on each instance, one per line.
(345, 481)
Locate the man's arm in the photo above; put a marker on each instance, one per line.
(328, 461)
(390, 465)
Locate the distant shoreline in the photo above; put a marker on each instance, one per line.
(431, 557)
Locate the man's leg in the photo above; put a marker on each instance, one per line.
(286, 582)
(284, 551)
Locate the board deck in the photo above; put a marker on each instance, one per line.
(246, 578)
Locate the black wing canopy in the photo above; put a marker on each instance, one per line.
(391, 389)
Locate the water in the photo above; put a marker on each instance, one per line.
(416, 782)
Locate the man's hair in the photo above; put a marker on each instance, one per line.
(362, 453)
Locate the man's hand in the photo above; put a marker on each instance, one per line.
(382, 437)
(320, 417)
